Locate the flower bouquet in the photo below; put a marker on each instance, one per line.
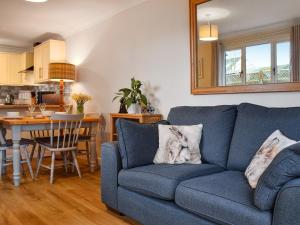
(80, 99)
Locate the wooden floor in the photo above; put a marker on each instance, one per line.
(69, 201)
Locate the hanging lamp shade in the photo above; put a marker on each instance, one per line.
(208, 32)
(62, 71)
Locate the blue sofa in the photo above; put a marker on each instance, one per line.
(216, 191)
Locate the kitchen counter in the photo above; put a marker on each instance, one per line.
(24, 106)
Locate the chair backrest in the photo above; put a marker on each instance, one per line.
(67, 131)
(39, 133)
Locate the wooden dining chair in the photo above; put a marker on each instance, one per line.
(34, 134)
(6, 144)
(85, 136)
(63, 139)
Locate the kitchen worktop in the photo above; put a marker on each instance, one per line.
(23, 106)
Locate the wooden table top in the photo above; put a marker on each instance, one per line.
(127, 115)
(31, 120)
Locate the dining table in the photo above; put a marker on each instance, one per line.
(23, 124)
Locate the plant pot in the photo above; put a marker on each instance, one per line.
(134, 109)
(122, 107)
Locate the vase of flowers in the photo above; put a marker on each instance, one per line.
(132, 97)
(80, 100)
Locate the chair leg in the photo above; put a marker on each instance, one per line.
(38, 154)
(4, 162)
(32, 152)
(52, 167)
(87, 146)
(1, 163)
(64, 155)
(76, 163)
(71, 157)
(28, 162)
(21, 162)
(40, 159)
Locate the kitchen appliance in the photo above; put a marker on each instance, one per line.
(9, 100)
(47, 97)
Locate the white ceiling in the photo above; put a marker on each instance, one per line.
(22, 22)
(249, 14)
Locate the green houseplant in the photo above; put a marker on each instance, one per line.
(132, 97)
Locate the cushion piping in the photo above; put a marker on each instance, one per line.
(152, 194)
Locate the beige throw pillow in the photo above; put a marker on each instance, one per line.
(179, 144)
(265, 155)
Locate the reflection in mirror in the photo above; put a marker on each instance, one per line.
(251, 43)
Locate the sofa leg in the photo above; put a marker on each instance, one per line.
(114, 211)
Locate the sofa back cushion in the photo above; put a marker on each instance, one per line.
(138, 143)
(218, 123)
(253, 126)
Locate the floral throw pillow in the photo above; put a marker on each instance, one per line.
(179, 144)
(275, 143)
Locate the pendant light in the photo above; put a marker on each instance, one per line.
(208, 32)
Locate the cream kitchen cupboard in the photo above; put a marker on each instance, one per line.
(3, 67)
(10, 65)
(26, 63)
(45, 53)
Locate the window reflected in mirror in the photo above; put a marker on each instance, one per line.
(242, 44)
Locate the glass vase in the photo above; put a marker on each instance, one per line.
(80, 108)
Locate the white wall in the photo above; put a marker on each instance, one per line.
(151, 42)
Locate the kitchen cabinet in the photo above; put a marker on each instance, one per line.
(3, 67)
(27, 77)
(14, 67)
(10, 65)
(45, 53)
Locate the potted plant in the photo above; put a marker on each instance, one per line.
(132, 97)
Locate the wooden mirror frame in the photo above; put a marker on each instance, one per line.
(283, 87)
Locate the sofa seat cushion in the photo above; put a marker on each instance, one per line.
(161, 180)
(225, 198)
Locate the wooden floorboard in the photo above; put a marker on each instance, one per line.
(69, 201)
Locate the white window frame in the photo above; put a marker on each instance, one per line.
(272, 39)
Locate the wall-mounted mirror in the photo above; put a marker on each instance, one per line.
(245, 46)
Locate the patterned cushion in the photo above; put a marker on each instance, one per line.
(264, 156)
(179, 144)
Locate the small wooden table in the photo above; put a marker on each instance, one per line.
(30, 124)
(141, 118)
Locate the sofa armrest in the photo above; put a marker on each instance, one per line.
(110, 167)
(287, 206)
